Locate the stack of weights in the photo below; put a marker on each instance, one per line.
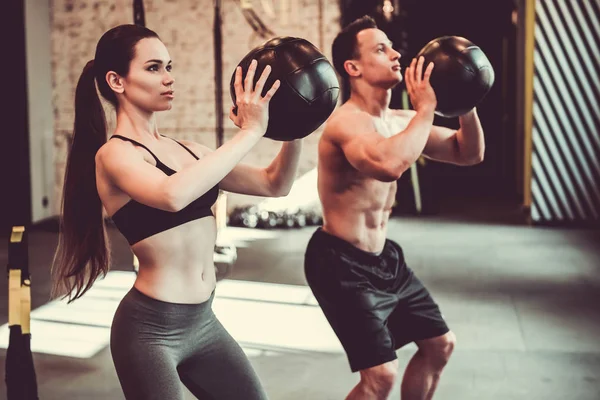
(254, 217)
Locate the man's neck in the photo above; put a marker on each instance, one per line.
(374, 100)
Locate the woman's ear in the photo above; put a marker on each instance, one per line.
(115, 82)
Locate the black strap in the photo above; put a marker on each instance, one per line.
(184, 146)
(138, 13)
(158, 162)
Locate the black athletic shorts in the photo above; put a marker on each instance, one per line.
(374, 303)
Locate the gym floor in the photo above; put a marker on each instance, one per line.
(523, 302)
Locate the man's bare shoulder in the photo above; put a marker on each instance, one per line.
(346, 121)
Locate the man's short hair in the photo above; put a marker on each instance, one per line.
(345, 43)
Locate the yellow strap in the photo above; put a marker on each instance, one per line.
(221, 211)
(414, 173)
(16, 235)
(528, 101)
(136, 263)
(26, 307)
(14, 297)
(414, 178)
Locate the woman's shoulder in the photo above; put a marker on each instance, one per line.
(195, 146)
(113, 149)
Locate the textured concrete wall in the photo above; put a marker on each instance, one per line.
(186, 27)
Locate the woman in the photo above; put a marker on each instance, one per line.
(158, 192)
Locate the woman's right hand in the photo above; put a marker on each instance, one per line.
(252, 108)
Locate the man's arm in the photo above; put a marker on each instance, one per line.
(376, 156)
(465, 146)
(382, 158)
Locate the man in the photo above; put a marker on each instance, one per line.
(372, 300)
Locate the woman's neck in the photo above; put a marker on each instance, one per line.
(136, 123)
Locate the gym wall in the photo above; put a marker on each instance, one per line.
(27, 121)
(41, 118)
(186, 27)
(565, 159)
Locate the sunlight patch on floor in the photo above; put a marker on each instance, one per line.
(265, 318)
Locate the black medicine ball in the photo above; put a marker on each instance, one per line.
(462, 74)
(309, 87)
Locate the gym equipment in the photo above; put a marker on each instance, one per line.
(462, 74)
(309, 86)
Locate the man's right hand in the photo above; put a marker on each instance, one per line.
(419, 89)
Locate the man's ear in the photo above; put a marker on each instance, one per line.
(115, 82)
(352, 67)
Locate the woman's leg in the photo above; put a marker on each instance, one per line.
(143, 351)
(218, 368)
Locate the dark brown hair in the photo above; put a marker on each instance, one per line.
(82, 254)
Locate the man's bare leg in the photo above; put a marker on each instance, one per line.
(376, 383)
(425, 368)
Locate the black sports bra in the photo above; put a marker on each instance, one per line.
(137, 221)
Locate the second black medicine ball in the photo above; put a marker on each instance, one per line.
(462, 74)
(309, 86)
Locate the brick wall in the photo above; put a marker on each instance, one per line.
(186, 27)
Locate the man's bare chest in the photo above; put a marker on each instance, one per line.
(391, 125)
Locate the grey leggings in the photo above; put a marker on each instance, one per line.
(156, 346)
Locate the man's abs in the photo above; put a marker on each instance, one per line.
(360, 214)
